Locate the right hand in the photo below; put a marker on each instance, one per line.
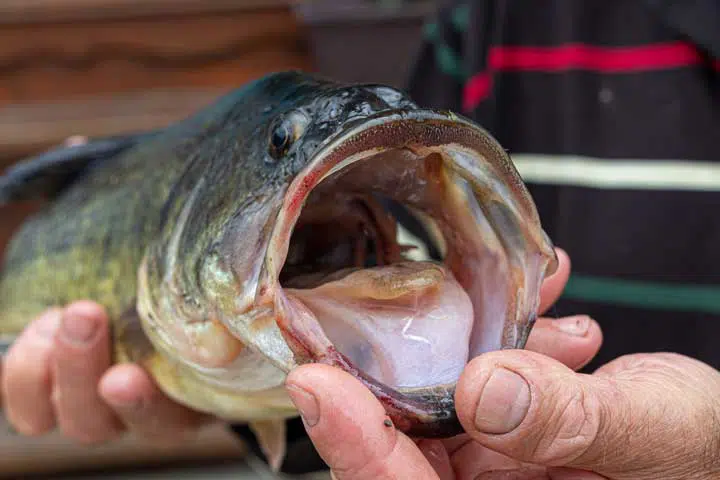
(58, 374)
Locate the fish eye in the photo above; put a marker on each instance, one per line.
(284, 133)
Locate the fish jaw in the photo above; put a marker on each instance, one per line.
(496, 252)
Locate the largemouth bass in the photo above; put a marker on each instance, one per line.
(262, 233)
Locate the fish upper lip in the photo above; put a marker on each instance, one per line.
(314, 173)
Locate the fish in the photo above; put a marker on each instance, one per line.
(267, 231)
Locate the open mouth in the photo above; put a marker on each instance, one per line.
(348, 288)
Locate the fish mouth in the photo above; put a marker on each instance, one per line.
(346, 288)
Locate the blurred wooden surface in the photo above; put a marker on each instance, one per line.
(32, 127)
(196, 45)
(52, 454)
(102, 67)
(24, 11)
(48, 61)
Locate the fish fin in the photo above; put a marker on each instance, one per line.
(45, 175)
(272, 438)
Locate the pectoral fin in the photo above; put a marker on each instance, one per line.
(47, 174)
(272, 438)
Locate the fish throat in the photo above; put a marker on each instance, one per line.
(395, 314)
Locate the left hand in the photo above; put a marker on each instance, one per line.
(59, 374)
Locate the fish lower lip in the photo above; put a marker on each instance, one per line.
(427, 412)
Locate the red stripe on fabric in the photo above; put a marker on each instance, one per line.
(587, 57)
(476, 90)
(657, 56)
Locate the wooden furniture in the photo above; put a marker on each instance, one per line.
(101, 67)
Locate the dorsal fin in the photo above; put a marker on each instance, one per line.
(45, 175)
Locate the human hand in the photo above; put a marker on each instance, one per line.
(644, 416)
(58, 373)
(530, 416)
(346, 422)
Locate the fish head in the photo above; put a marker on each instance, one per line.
(286, 246)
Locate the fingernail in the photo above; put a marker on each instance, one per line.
(503, 404)
(576, 326)
(78, 329)
(48, 323)
(306, 403)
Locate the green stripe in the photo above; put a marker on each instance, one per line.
(460, 18)
(648, 295)
(430, 31)
(448, 61)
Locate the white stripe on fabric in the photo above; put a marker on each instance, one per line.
(619, 173)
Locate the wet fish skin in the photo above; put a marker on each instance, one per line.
(111, 211)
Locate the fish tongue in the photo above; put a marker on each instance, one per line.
(407, 325)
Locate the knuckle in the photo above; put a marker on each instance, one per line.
(374, 462)
(569, 431)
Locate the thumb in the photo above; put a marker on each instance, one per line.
(641, 417)
(349, 428)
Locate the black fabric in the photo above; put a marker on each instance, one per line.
(567, 113)
(679, 233)
(698, 20)
(659, 113)
(301, 454)
(631, 330)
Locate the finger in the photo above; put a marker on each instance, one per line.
(349, 427)
(573, 341)
(471, 459)
(554, 285)
(80, 358)
(145, 409)
(536, 410)
(437, 456)
(26, 382)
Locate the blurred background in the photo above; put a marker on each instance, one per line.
(102, 67)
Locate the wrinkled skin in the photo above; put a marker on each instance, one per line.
(565, 435)
(195, 241)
